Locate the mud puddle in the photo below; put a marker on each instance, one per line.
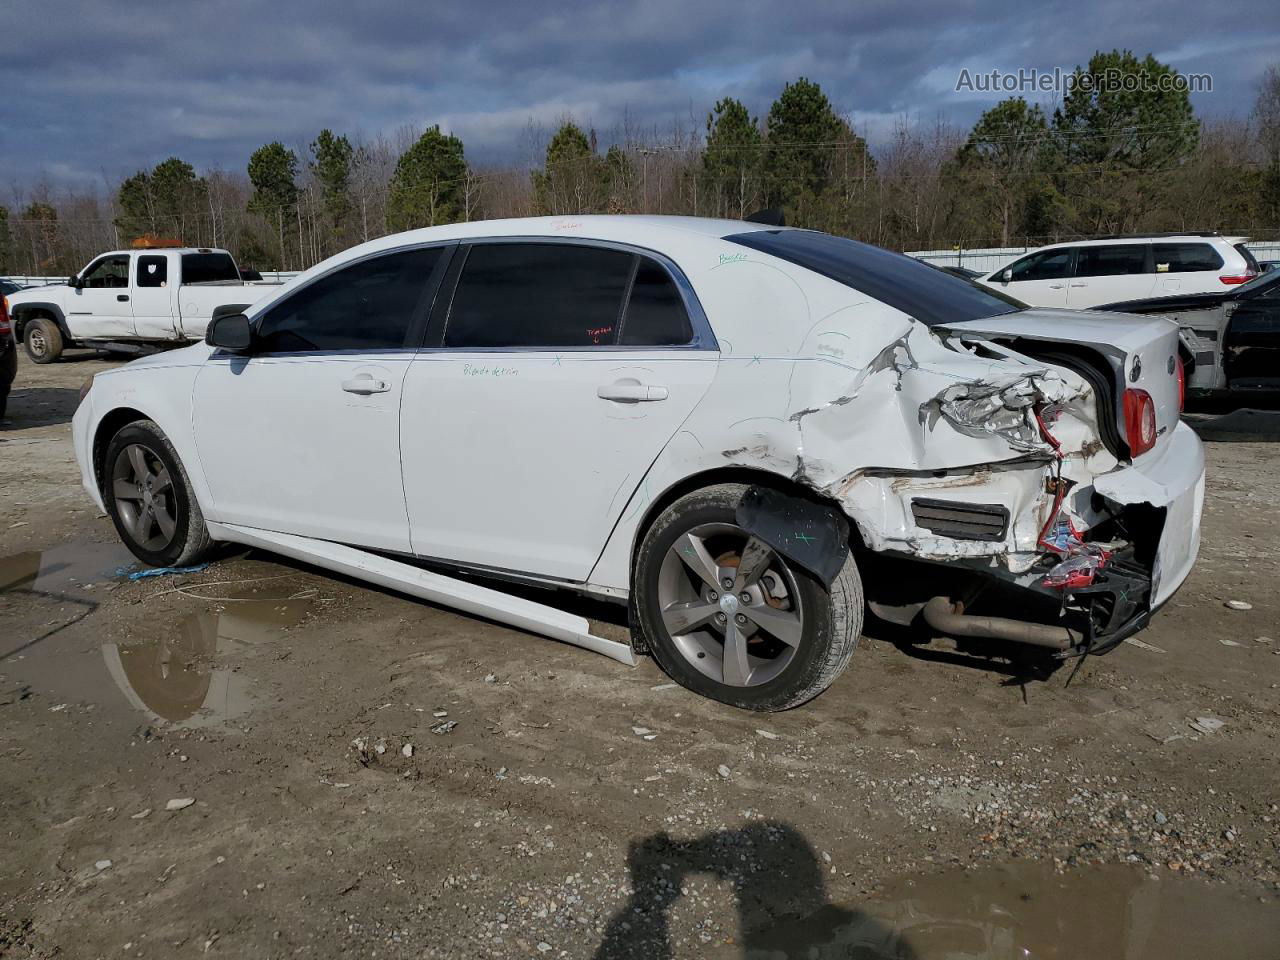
(171, 672)
(1030, 912)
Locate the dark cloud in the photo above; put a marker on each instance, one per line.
(95, 89)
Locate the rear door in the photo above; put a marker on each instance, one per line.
(1106, 273)
(1038, 279)
(153, 299)
(100, 308)
(555, 376)
(1185, 268)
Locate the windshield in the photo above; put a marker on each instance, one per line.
(208, 268)
(919, 290)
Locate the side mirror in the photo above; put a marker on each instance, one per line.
(1006, 276)
(75, 283)
(229, 332)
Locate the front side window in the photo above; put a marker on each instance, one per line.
(108, 273)
(1112, 261)
(209, 268)
(153, 271)
(1185, 257)
(539, 295)
(1045, 265)
(367, 306)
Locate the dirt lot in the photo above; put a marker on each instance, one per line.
(580, 808)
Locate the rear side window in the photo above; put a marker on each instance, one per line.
(539, 295)
(655, 314)
(1045, 265)
(930, 296)
(153, 271)
(208, 268)
(370, 305)
(1250, 260)
(1112, 260)
(1185, 257)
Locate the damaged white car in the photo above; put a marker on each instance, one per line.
(736, 429)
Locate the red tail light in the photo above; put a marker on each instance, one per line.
(1139, 421)
(5, 327)
(1181, 373)
(1230, 279)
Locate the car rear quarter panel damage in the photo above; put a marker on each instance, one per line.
(871, 410)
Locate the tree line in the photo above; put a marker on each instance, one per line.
(1106, 159)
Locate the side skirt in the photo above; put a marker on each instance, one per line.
(469, 597)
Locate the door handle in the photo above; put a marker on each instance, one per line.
(1056, 286)
(1079, 284)
(122, 297)
(364, 384)
(631, 391)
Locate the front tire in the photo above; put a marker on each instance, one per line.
(149, 498)
(733, 620)
(43, 340)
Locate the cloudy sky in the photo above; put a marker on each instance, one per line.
(98, 89)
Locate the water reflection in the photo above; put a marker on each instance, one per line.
(173, 676)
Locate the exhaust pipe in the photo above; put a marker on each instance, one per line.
(950, 618)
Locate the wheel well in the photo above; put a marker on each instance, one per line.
(746, 475)
(108, 427)
(22, 318)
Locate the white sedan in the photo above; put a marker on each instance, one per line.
(735, 429)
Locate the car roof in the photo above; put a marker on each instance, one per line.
(1160, 238)
(638, 229)
(145, 250)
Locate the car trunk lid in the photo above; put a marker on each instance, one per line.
(1135, 353)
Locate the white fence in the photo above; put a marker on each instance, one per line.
(986, 259)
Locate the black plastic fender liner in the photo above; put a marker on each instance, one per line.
(809, 534)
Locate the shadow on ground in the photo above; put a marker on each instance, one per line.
(775, 874)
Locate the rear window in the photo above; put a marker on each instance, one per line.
(931, 296)
(208, 268)
(1185, 257)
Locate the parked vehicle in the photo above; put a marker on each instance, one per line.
(1232, 338)
(8, 347)
(1085, 273)
(130, 301)
(736, 429)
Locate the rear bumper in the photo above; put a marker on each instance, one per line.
(1170, 479)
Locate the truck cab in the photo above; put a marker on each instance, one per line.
(131, 301)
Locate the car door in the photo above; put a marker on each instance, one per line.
(1108, 273)
(1038, 279)
(555, 375)
(100, 307)
(302, 434)
(1185, 268)
(153, 297)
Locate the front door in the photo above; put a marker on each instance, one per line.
(1038, 279)
(561, 373)
(100, 308)
(302, 435)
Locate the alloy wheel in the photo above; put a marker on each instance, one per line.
(145, 499)
(730, 604)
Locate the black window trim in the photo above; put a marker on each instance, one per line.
(702, 340)
(417, 325)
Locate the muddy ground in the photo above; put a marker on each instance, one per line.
(924, 799)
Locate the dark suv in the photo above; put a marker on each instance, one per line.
(8, 349)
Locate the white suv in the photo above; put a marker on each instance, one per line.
(1087, 273)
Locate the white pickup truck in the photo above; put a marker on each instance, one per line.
(131, 301)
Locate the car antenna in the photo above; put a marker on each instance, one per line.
(769, 216)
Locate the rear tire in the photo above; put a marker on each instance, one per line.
(149, 498)
(43, 340)
(806, 632)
